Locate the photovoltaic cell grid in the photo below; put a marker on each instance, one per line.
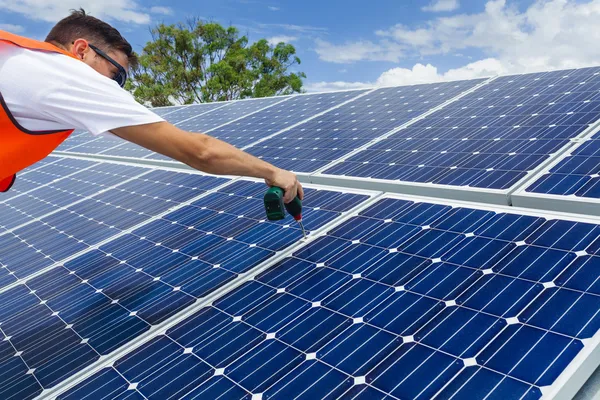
(406, 300)
(75, 139)
(207, 122)
(490, 138)
(190, 111)
(51, 187)
(31, 178)
(316, 143)
(280, 116)
(63, 320)
(72, 227)
(574, 175)
(87, 143)
(235, 110)
(163, 111)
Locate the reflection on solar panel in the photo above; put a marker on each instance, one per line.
(318, 142)
(407, 300)
(490, 138)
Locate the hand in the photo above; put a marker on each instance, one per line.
(288, 182)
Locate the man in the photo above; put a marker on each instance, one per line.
(74, 80)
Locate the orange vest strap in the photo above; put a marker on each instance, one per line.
(32, 44)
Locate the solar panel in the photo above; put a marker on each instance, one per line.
(101, 300)
(407, 299)
(163, 111)
(235, 110)
(316, 143)
(75, 139)
(490, 139)
(575, 174)
(82, 209)
(280, 116)
(192, 110)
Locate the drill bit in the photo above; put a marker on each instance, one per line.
(302, 226)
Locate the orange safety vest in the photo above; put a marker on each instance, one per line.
(19, 147)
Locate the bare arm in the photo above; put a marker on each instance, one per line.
(208, 154)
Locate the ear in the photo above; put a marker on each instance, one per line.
(80, 48)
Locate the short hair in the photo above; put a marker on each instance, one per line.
(80, 25)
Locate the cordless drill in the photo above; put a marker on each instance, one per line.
(275, 207)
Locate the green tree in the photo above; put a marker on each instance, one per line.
(205, 62)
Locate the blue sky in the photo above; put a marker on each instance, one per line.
(355, 43)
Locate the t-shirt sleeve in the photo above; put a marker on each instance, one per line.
(84, 99)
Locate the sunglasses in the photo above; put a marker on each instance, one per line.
(121, 76)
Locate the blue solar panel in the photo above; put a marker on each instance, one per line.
(204, 245)
(75, 139)
(235, 110)
(32, 178)
(280, 116)
(490, 138)
(190, 111)
(90, 144)
(164, 111)
(67, 181)
(575, 175)
(469, 304)
(104, 298)
(62, 230)
(318, 142)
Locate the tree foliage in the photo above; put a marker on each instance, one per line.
(205, 62)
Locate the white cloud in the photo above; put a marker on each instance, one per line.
(54, 10)
(358, 51)
(273, 8)
(12, 28)
(419, 73)
(332, 86)
(283, 38)
(442, 5)
(162, 10)
(550, 34)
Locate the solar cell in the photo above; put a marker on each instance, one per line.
(99, 301)
(491, 138)
(316, 143)
(500, 307)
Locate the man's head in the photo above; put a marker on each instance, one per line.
(94, 42)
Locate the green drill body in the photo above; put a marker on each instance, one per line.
(275, 207)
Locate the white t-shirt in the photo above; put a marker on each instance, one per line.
(50, 91)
